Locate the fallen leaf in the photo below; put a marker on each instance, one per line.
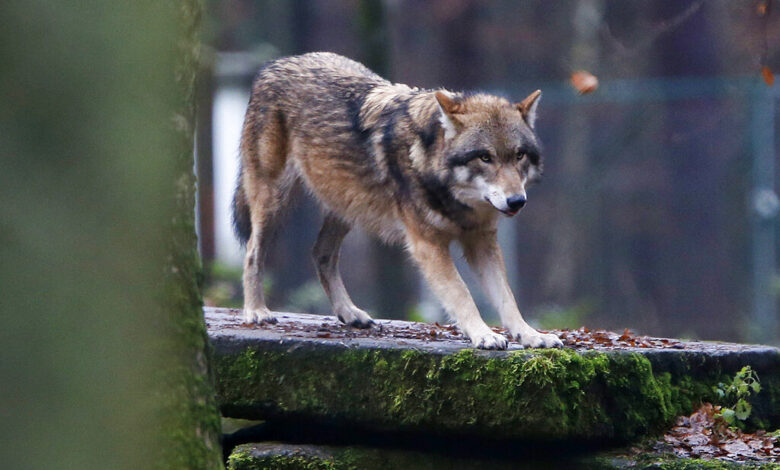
(584, 82)
(696, 440)
(704, 450)
(755, 444)
(769, 77)
(736, 448)
(672, 440)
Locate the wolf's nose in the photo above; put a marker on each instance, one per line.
(515, 202)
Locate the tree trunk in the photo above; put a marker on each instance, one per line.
(104, 345)
(392, 279)
(565, 254)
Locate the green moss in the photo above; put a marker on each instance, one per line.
(658, 463)
(243, 458)
(282, 462)
(766, 406)
(697, 464)
(188, 409)
(240, 458)
(670, 462)
(272, 456)
(541, 394)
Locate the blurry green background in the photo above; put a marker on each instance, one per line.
(103, 344)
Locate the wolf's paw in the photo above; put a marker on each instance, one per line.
(489, 340)
(534, 339)
(259, 315)
(354, 316)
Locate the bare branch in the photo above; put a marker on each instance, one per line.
(663, 28)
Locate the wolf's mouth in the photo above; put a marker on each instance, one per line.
(506, 212)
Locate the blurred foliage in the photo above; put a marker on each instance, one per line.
(308, 297)
(734, 396)
(222, 285)
(104, 361)
(557, 317)
(414, 314)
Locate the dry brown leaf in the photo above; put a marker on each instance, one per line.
(755, 444)
(736, 447)
(768, 76)
(704, 435)
(694, 440)
(584, 82)
(704, 451)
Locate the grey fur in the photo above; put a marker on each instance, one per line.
(421, 167)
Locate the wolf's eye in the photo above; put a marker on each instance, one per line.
(485, 157)
(520, 156)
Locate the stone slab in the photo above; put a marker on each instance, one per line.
(406, 376)
(283, 456)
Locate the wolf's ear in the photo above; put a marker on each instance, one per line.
(527, 107)
(449, 106)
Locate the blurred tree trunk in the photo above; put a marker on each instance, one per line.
(392, 279)
(205, 155)
(104, 345)
(461, 59)
(574, 202)
(190, 420)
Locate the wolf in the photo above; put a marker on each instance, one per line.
(424, 168)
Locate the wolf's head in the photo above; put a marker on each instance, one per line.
(491, 151)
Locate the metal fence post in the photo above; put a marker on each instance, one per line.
(763, 206)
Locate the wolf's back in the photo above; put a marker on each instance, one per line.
(316, 69)
(315, 82)
(302, 93)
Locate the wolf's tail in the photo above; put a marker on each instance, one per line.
(242, 221)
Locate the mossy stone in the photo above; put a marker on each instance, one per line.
(544, 395)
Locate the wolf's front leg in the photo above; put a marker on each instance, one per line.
(484, 256)
(436, 264)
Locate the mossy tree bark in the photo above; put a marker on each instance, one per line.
(104, 361)
(190, 422)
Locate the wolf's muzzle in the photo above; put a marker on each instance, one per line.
(516, 202)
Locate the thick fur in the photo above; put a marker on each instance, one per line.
(419, 167)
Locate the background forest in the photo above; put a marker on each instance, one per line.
(657, 210)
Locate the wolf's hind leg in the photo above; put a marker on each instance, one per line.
(264, 210)
(266, 179)
(326, 260)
